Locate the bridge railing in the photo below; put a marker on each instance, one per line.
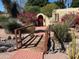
(20, 39)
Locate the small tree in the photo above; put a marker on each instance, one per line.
(60, 4)
(37, 2)
(33, 9)
(47, 10)
(75, 3)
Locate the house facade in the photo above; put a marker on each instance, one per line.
(59, 13)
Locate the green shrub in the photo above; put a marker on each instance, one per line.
(40, 3)
(60, 4)
(72, 50)
(61, 32)
(47, 9)
(33, 9)
(11, 25)
(3, 19)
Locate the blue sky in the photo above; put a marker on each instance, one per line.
(52, 0)
(2, 7)
(21, 2)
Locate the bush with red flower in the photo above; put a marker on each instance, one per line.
(27, 17)
(71, 19)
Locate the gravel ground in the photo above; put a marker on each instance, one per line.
(6, 55)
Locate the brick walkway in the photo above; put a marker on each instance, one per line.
(24, 55)
(55, 56)
(27, 54)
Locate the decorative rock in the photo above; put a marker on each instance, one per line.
(9, 38)
(13, 38)
(3, 48)
(10, 49)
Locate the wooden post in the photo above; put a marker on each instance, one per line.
(55, 16)
(20, 38)
(46, 40)
(58, 18)
(16, 39)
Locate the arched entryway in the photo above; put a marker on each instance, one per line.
(40, 20)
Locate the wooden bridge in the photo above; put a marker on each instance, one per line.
(37, 39)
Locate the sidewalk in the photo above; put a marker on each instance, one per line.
(46, 56)
(55, 56)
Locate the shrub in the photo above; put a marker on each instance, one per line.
(61, 32)
(3, 19)
(11, 25)
(33, 9)
(27, 17)
(60, 4)
(75, 3)
(72, 51)
(77, 19)
(47, 9)
(37, 2)
(71, 19)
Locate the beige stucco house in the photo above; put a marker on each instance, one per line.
(59, 13)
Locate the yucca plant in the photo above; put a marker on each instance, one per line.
(72, 53)
(77, 55)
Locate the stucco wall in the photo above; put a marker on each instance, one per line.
(46, 21)
(62, 12)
